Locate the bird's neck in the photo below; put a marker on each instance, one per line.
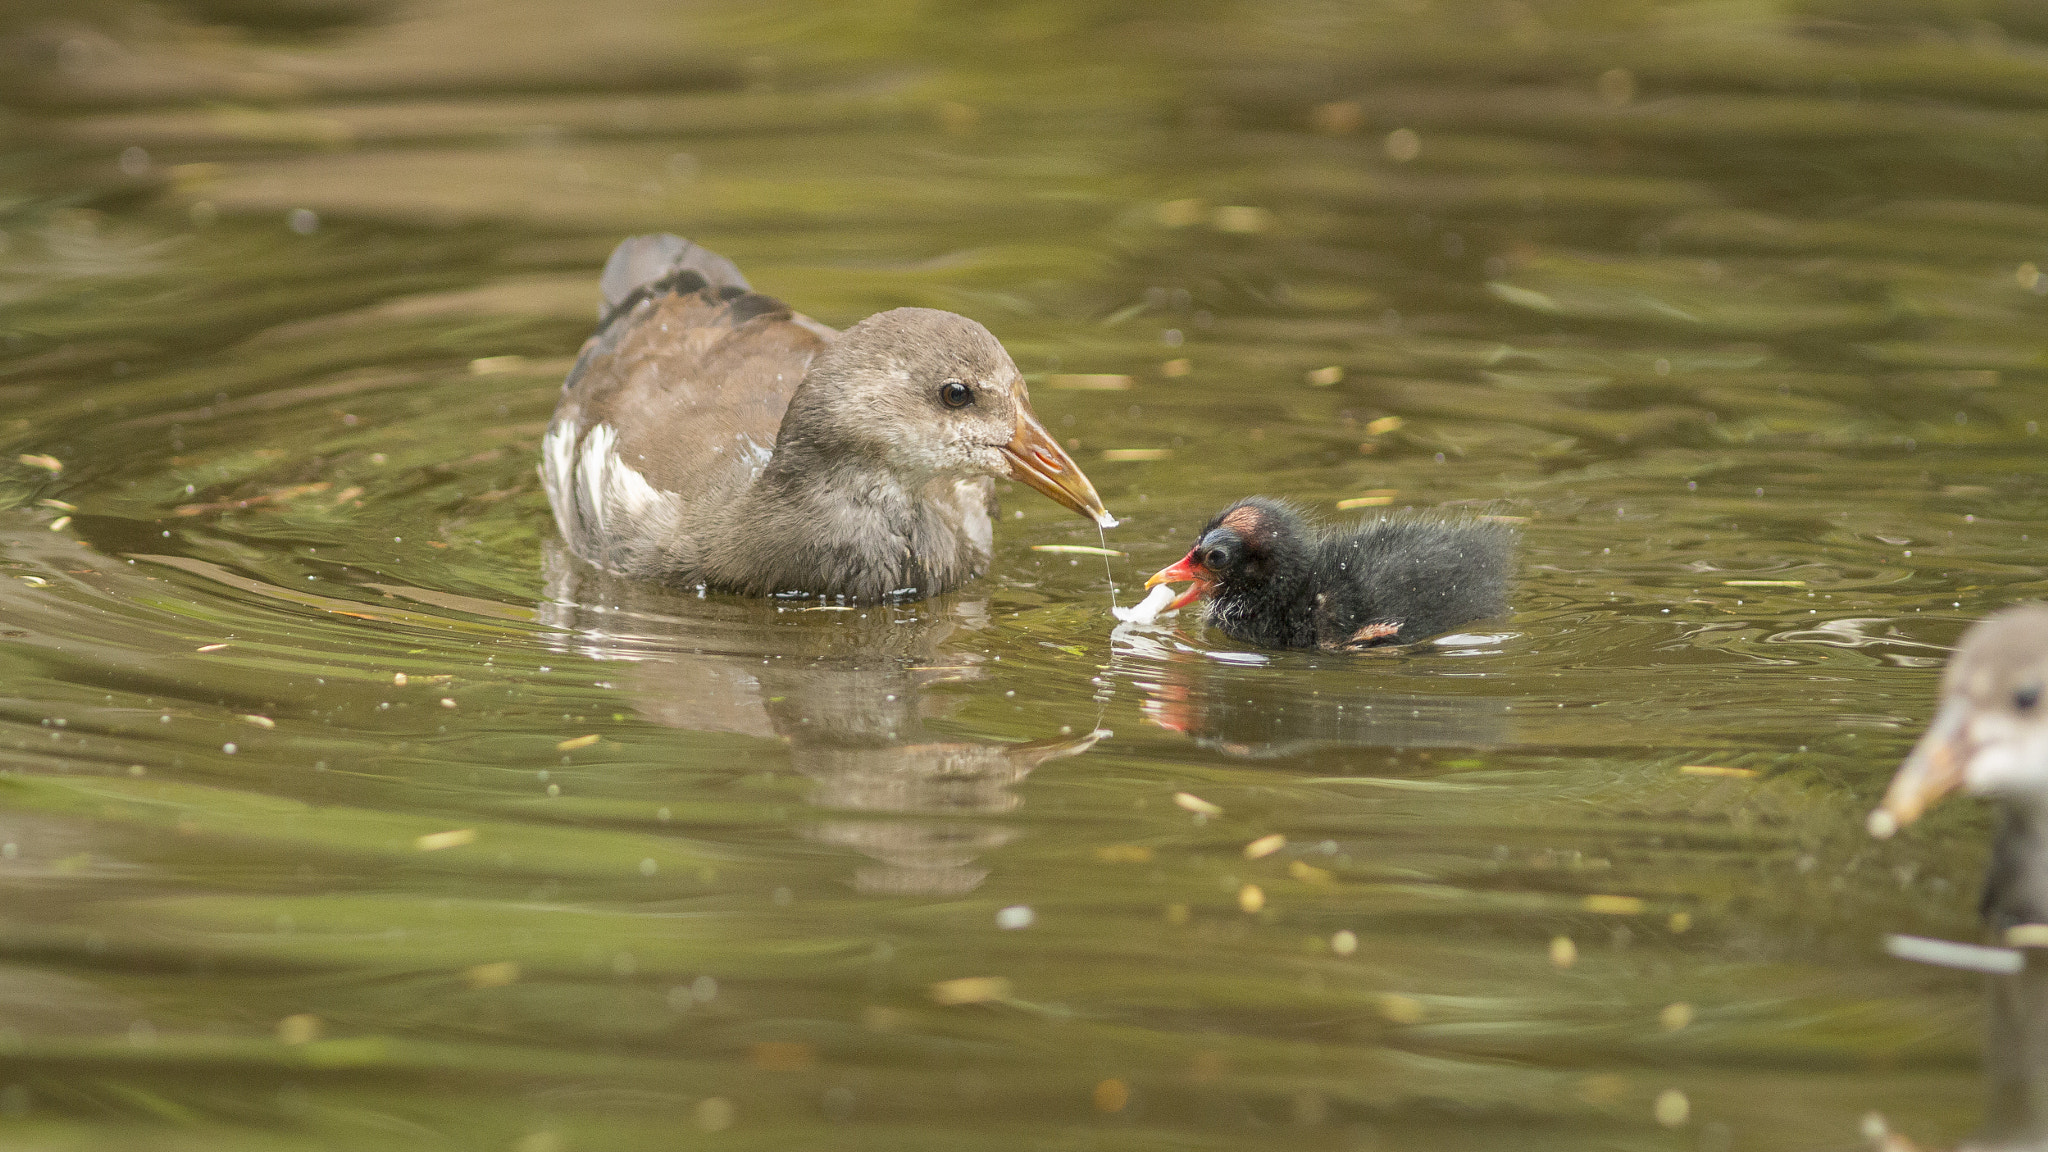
(2016, 886)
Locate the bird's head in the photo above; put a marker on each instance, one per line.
(1255, 543)
(924, 394)
(1989, 737)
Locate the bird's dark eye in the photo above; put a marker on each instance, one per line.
(2026, 696)
(954, 394)
(1216, 559)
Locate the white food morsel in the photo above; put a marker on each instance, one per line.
(1146, 610)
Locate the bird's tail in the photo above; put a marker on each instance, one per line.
(640, 263)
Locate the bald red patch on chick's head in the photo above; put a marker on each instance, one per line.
(1244, 519)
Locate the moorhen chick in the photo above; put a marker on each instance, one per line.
(709, 435)
(1276, 580)
(1989, 737)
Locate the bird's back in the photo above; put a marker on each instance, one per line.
(673, 406)
(1427, 576)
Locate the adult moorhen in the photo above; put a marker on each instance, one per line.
(1990, 738)
(709, 435)
(1275, 580)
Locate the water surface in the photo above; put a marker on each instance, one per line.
(341, 810)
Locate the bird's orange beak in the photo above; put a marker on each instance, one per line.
(1183, 569)
(1036, 459)
(1933, 770)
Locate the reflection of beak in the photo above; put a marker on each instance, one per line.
(1036, 752)
(1931, 771)
(1184, 569)
(1037, 459)
(1168, 707)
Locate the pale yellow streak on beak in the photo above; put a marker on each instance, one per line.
(1037, 460)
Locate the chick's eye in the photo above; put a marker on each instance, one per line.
(2025, 697)
(1215, 559)
(954, 394)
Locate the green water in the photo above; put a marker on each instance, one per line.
(1704, 292)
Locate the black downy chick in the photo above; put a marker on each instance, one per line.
(1277, 580)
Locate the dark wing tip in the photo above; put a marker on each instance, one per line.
(641, 262)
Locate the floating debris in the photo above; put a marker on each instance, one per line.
(1124, 854)
(290, 493)
(1194, 803)
(1324, 377)
(1344, 942)
(1179, 213)
(1614, 905)
(2027, 936)
(1251, 898)
(1111, 1096)
(1240, 219)
(1949, 954)
(494, 975)
(1384, 425)
(1679, 922)
(1718, 770)
(1376, 499)
(1399, 1009)
(1764, 583)
(1675, 1016)
(453, 838)
(1403, 145)
(259, 721)
(56, 505)
(1563, 953)
(1264, 846)
(48, 463)
(714, 1114)
(781, 1055)
(493, 365)
(1130, 455)
(1337, 118)
(1088, 381)
(1015, 916)
(1177, 367)
(303, 1028)
(573, 744)
(1672, 1108)
(60, 523)
(1064, 549)
(1505, 519)
(971, 990)
(956, 118)
(211, 647)
(1308, 873)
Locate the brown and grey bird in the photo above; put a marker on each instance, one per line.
(708, 435)
(1989, 737)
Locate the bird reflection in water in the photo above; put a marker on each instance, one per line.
(849, 694)
(1214, 698)
(2015, 1070)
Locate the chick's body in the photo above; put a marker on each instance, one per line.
(1277, 580)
